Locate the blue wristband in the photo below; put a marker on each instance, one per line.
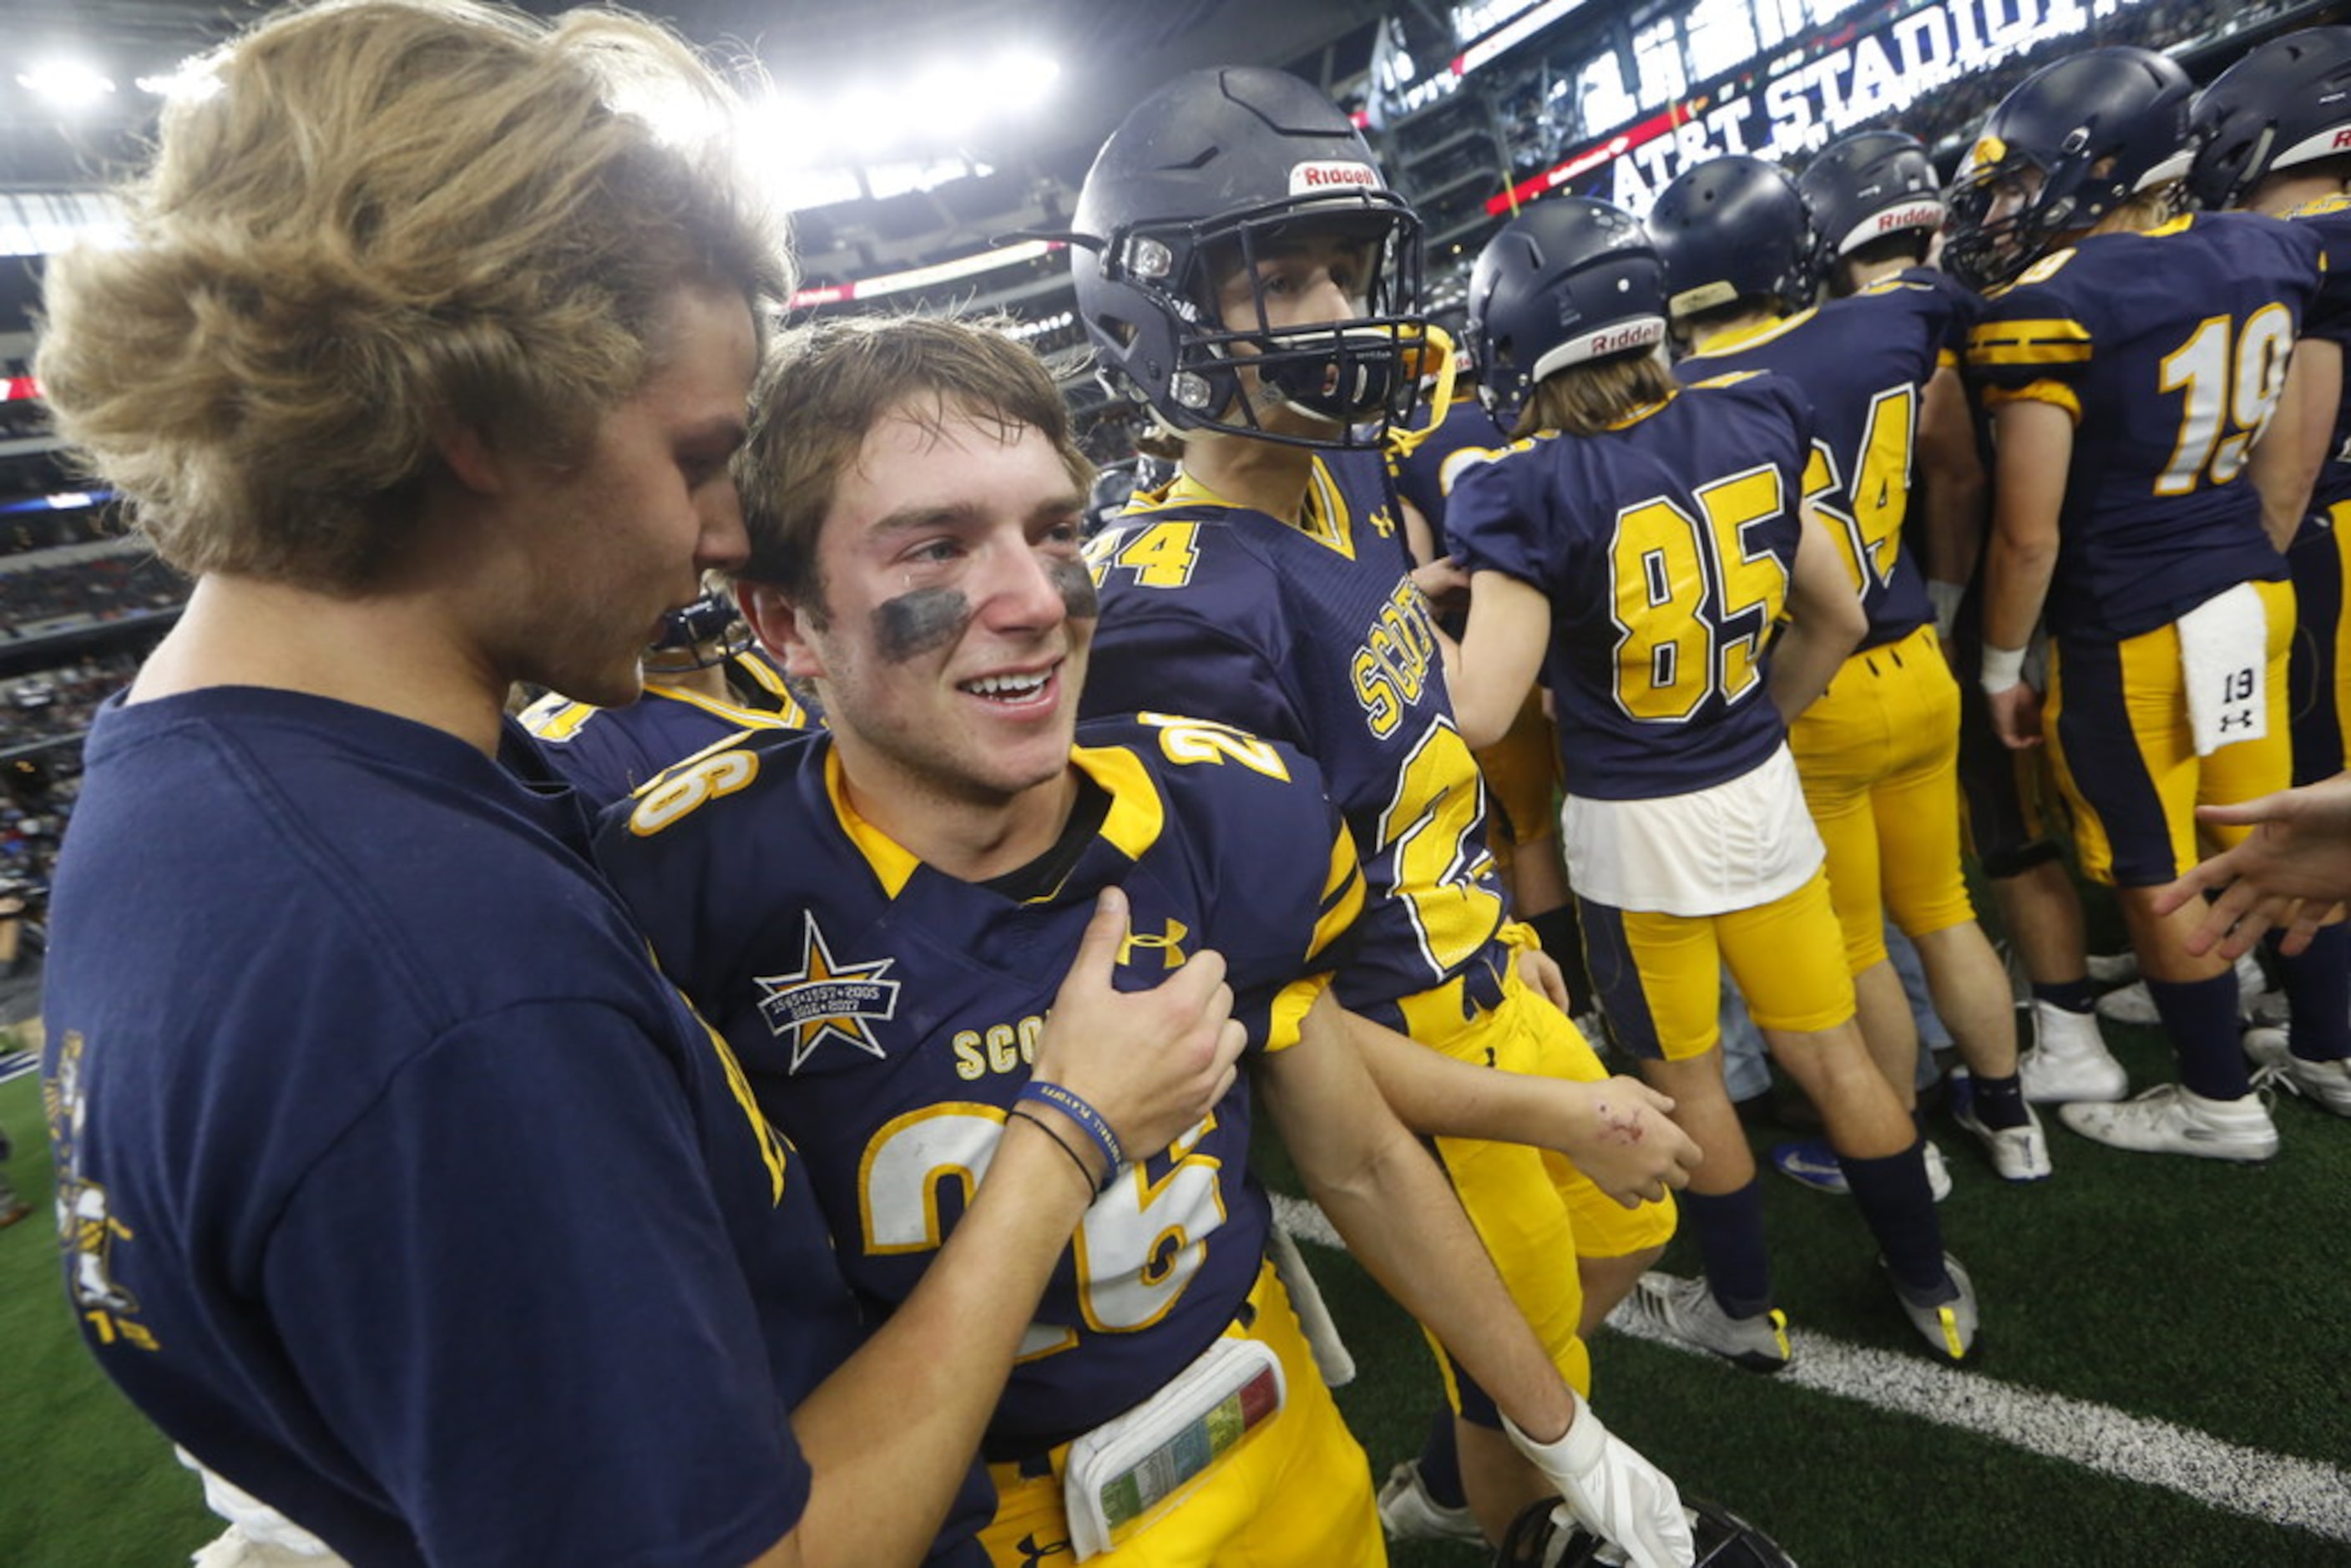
(1096, 1125)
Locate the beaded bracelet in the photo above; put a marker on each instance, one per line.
(1076, 1158)
(1095, 1124)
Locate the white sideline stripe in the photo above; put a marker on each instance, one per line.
(2275, 1488)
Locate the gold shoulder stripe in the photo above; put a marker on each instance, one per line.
(772, 1146)
(1343, 895)
(2056, 392)
(2049, 340)
(1290, 1006)
(1137, 812)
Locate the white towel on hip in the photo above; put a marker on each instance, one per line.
(2224, 660)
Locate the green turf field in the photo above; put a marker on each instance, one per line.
(2205, 1297)
(2164, 1318)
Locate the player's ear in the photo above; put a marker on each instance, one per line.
(467, 452)
(782, 628)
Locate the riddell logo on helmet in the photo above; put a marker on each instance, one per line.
(2343, 137)
(1638, 335)
(1911, 214)
(1308, 178)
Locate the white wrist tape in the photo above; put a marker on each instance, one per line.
(2002, 668)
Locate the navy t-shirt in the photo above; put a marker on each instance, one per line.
(398, 1186)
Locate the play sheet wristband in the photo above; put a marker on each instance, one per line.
(1096, 1125)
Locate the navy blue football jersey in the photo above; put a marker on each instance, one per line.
(1314, 636)
(1425, 461)
(607, 753)
(2169, 350)
(1864, 362)
(886, 1014)
(1665, 546)
(2330, 320)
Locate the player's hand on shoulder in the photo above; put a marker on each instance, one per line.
(1620, 1133)
(1154, 1063)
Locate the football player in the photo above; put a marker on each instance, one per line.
(865, 913)
(1878, 753)
(1602, 555)
(707, 681)
(1522, 769)
(2272, 135)
(1634, 546)
(2131, 360)
(1244, 271)
(1876, 211)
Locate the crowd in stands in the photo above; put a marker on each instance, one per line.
(36, 797)
(42, 719)
(57, 703)
(1952, 111)
(37, 600)
(1539, 130)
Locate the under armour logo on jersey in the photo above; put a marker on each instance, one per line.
(2236, 718)
(1382, 523)
(1031, 1554)
(826, 999)
(1169, 942)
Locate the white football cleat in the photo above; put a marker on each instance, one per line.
(1408, 1513)
(2068, 1060)
(2171, 1120)
(2323, 1083)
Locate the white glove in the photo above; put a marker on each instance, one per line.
(1613, 1491)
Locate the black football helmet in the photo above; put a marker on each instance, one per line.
(1203, 177)
(1113, 488)
(1545, 1536)
(708, 632)
(1454, 322)
(1567, 281)
(1865, 187)
(2071, 142)
(1732, 228)
(2286, 103)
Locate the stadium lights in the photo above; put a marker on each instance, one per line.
(1024, 80)
(68, 84)
(193, 81)
(942, 103)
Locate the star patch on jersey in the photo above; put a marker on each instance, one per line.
(827, 998)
